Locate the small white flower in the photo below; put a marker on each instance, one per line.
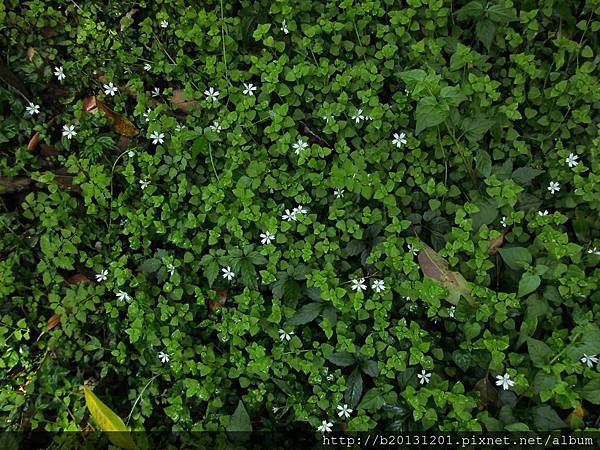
(131, 153)
(359, 284)
(147, 67)
(275, 409)
(344, 411)
(59, 73)
(554, 187)
(227, 273)
(399, 139)
(32, 109)
(594, 250)
(378, 286)
(179, 127)
(423, 377)
(144, 183)
(164, 357)
(211, 94)
(572, 160)
(216, 127)
(543, 213)
(589, 360)
(122, 296)
(406, 91)
(155, 92)
(157, 138)
(266, 237)
(249, 89)
(368, 117)
(504, 381)
(284, 28)
(300, 210)
(164, 24)
(503, 221)
(413, 249)
(451, 311)
(285, 336)
(325, 427)
(110, 89)
(289, 215)
(330, 377)
(357, 116)
(338, 193)
(327, 118)
(69, 131)
(147, 115)
(102, 276)
(171, 269)
(299, 146)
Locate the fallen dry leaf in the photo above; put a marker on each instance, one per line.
(53, 321)
(33, 142)
(495, 244)
(77, 278)
(121, 124)
(31, 53)
(48, 150)
(488, 396)
(181, 103)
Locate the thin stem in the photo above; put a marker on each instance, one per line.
(138, 398)
(111, 189)
(564, 349)
(223, 42)
(212, 162)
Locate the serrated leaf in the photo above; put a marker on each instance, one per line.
(108, 421)
(342, 359)
(150, 265)
(306, 314)
(470, 10)
(524, 175)
(436, 268)
(501, 13)
(485, 31)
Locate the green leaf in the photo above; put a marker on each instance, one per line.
(150, 265)
(591, 391)
(524, 175)
(342, 359)
(501, 14)
(472, 9)
(485, 31)
(462, 359)
(488, 212)
(261, 30)
(546, 419)
(515, 257)
(240, 423)
(354, 388)
(529, 283)
(306, 314)
(475, 128)
(430, 113)
(538, 352)
(373, 400)
(371, 368)
(108, 421)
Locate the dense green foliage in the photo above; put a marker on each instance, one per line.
(404, 132)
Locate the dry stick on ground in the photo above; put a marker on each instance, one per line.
(319, 138)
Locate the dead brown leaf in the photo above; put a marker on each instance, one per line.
(488, 396)
(121, 124)
(495, 244)
(31, 53)
(181, 103)
(48, 150)
(53, 321)
(77, 278)
(577, 413)
(33, 142)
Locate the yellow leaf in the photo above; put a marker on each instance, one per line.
(110, 423)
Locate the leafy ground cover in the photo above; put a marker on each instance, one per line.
(314, 216)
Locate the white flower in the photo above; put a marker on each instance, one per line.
(330, 377)
(543, 213)
(171, 269)
(357, 117)
(399, 139)
(451, 311)
(122, 296)
(155, 92)
(110, 89)
(325, 427)
(102, 276)
(266, 237)
(59, 73)
(227, 273)
(589, 360)
(594, 250)
(69, 131)
(164, 357)
(504, 381)
(144, 183)
(32, 109)
(413, 249)
(359, 284)
(179, 127)
(327, 118)
(147, 114)
(147, 67)
(300, 210)
(423, 377)
(299, 146)
(503, 221)
(378, 286)
(215, 126)
(554, 187)
(285, 336)
(338, 193)
(157, 138)
(572, 160)
(344, 411)
(131, 153)
(164, 24)
(289, 215)
(211, 94)
(249, 89)
(368, 117)
(284, 28)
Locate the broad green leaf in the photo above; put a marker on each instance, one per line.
(529, 283)
(430, 113)
(150, 265)
(306, 314)
(538, 352)
(501, 14)
(436, 268)
(372, 400)
(370, 368)
(354, 388)
(515, 257)
(240, 423)
(108, 421)
(524, 175)
(342, 359)
(475, 128)
(591, 391)
(546, 419)
(485, 31)
(488, 212)
(472, 9)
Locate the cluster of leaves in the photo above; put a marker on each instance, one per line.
(117, 240)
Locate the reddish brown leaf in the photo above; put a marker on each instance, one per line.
(53, 321)
(495, 244)
(33, 142)
(90, 104)
(77, 278)
(181, 103)
(48, 150)
(121, 124)
(123, 142)
(488, 396)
